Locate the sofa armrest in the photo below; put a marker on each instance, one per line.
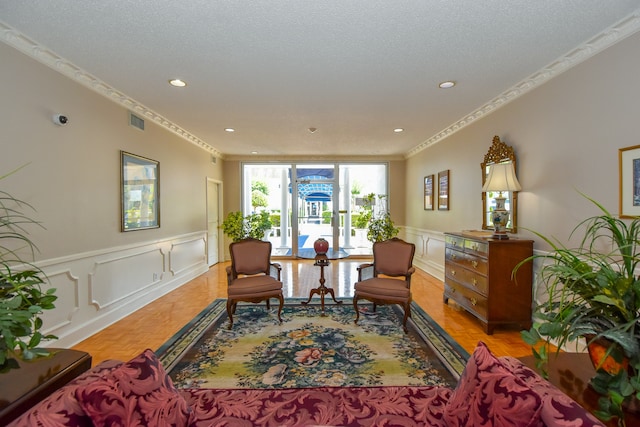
(61, 408)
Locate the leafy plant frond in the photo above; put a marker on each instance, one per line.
(22, 296)
(593, 291)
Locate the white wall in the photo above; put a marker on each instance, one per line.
(566, 135)
(73, 182)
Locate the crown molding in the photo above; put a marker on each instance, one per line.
(607, 38)
(312, 158)
(47, 57)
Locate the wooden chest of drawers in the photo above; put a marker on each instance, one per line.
(478, 278)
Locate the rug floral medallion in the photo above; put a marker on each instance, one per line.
(309, 349)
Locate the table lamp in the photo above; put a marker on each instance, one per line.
(502, 177)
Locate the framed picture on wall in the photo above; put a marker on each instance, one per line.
(443, 190)
(140, 192)
(428, 193)
(629, 169)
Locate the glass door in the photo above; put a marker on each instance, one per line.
(317, 205)
(307, 201)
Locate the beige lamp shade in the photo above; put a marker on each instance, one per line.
(502, 177)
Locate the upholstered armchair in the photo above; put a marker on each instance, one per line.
(252, 277)
(388, 279)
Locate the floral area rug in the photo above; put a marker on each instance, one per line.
(310, 349)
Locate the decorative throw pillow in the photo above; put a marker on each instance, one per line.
(137, 393)
(488, 394)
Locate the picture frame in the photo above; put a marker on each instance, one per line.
(428, 192)
(140, 192)
(443, 190)
(629, 171)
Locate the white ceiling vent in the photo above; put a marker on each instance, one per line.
(135, 121)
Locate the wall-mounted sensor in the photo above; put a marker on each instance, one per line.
(60, 119)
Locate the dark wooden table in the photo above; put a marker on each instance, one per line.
(322, 261)
(23, 387)
(571, 372)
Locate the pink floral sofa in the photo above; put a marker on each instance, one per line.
(491, 392)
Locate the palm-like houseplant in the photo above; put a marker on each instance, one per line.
(22, 294)
(593, 294)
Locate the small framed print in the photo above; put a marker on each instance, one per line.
(443, 190)
(428, 192)
(629, 159)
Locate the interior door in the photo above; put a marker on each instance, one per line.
(213, 221)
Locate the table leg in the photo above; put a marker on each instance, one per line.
(322, 290)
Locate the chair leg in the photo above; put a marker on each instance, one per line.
(231, 308)
(407, 314)
(355, 307)
(281, 299)
(268, 304)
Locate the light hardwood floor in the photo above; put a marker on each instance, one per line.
(155, 323)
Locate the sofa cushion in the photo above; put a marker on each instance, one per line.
(489, 394)
(401, 406)
(137, 393)
(557, 407)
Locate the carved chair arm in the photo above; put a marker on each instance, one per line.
(274, 270)
(365, 271)
(408, 276)
(230, 277)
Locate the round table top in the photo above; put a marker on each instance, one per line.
(310, 253)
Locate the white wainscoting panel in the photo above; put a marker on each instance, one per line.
(187, 253)
(99, 288)
(429, 250)
(116, 278)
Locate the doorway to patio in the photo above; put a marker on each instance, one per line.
(310, 200)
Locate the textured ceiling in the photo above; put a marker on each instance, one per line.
(353, 69)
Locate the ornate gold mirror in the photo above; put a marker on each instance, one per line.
(499, 152)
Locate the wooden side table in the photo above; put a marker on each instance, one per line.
(571, 372)
(22, 388)
(322, 261)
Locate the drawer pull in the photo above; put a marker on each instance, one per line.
(474, 263)
(474, 247)
(474, 301)
(454, 256)
(475, 282)
(453, 272)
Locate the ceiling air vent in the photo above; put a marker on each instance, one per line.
(136, 121)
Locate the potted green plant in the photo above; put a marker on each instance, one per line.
(380, 226)
(593, 294)
(239, 227)
(22, 295)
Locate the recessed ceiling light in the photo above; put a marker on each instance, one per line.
(229, 130)
(254, 152)
(177, 83)
(398, 130)
(447, 84)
